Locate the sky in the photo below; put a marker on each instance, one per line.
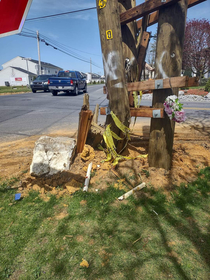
(76, 34)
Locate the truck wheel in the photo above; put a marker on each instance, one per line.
(33, 90)
(76, 91)
(54, 93)
(85, 89)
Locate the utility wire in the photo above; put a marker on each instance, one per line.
(63, 45)
(25, 34)
(58, 43)
(61, 14)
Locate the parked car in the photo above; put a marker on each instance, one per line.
(68, 81)
(40, 83)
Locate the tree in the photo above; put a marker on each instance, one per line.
(196, 53)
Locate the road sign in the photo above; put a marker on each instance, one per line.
(12, 16)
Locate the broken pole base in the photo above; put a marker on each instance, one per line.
(161, 143)
(85, 120)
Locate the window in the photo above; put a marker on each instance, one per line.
(67, 74)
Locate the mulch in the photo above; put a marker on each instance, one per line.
(201, 92)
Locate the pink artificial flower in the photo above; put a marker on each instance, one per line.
(168, 109)
(180, 116)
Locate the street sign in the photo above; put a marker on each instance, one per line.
(12, 16)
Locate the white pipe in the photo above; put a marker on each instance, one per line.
(87, 178)
(129, 193)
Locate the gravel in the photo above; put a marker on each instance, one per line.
(182, 97)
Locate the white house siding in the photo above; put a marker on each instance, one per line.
(11, 75)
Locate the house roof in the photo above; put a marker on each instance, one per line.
(44, 63)
(23, 70)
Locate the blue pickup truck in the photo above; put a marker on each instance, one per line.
(67, 81)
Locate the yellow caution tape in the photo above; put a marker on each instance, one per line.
(115, 136)
(108, 139)
(135, 99)
(137, 102)
(120, 125)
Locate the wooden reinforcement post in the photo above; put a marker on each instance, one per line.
(129, 40)
(130, 43)
(114, 65)
(170, 40)
(85, 119)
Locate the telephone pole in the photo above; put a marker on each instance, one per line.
(114, 64)
(170, 41)
(39, 71)
(91, 70)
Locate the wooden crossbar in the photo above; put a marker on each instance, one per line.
(173, 82)
(153, 17)
(143, 10)
(143, 111)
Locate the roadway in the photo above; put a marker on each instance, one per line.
(40, 113)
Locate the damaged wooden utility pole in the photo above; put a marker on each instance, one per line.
(170, 40)
(129, 40)
(114, 64)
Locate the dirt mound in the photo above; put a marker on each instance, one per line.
(191, 153)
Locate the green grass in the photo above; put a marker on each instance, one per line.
(198, 87)
(149, 237)
(14, 89)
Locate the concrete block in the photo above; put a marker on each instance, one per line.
(52, 155)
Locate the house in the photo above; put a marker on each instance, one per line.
(91, 78)
(21, 71)
(148, 72)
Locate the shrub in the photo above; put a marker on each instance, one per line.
(207, 86)
(203, 82)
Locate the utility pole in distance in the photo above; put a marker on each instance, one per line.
(114, 64)
(39, 72)
(27, 59)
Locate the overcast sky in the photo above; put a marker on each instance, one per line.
(77, 34)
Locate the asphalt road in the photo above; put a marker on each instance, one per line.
(40, 113)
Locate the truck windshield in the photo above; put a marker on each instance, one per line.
(42, 77)
(67, 74)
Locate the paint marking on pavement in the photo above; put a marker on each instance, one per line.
(200, 109)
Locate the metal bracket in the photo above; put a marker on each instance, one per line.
(163, 1)
(156, 114)
(108, 111)
(158, 84)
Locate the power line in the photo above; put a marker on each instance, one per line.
(61, 14)
(58, 44)
(27, 34)
(61, 44)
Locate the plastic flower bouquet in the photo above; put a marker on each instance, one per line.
(174, 109)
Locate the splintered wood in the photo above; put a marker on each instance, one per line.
(85, 119)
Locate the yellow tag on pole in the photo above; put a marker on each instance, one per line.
(102, 3)
(109, 35)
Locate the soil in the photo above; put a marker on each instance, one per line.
(191, 152)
